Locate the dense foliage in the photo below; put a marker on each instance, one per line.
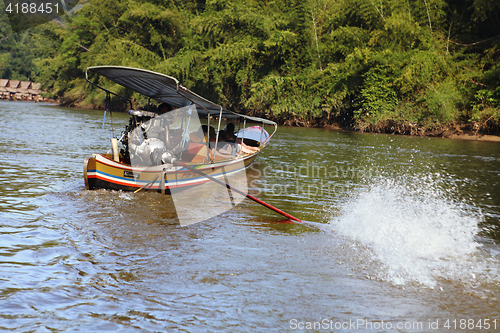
(425, 62)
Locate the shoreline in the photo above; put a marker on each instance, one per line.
(474, 137)
(460, 131)
(455, 131)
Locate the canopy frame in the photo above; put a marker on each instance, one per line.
(165, 89)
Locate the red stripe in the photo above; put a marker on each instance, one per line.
(151, 187)
(124, 167)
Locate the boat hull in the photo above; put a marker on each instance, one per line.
(102, 172)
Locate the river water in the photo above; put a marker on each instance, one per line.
(410, 239)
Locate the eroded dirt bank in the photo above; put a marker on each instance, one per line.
(486, 131)
(461, 131)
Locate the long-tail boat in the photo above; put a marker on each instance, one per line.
(174, 149)
(186, 128)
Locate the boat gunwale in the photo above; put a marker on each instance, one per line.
(159, 168)
(132, 183)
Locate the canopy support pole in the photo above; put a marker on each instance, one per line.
(217, 135)
(105, 109)
(243, 136)
(208, 138)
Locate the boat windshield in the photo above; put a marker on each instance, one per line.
(180, 132)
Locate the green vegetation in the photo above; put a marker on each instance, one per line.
(422, 63)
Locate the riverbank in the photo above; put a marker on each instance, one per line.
(472, 131)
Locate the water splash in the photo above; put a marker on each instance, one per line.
(412, 230)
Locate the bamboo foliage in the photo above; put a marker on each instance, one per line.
(354, 61)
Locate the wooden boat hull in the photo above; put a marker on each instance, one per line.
(102, 172)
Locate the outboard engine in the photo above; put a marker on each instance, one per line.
(147, 137)
(141, 135)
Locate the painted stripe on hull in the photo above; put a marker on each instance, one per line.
(99, 178)
(169, 184)
(158, 168)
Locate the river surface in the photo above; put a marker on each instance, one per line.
(410, 237)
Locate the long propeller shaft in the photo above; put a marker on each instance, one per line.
(234, 189)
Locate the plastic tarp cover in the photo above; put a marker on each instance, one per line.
(195, 197)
